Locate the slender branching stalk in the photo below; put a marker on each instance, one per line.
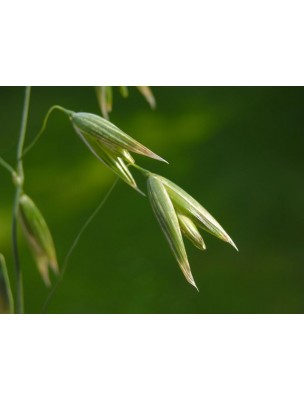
(45, 121)
(19, 187)
(75, 242)
(144, 171)
(6, 166)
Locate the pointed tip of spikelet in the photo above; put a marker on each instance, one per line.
(139, 191)
(151, 154)
(231, 242)
(202, 245)
(188, 274)
(192, 282)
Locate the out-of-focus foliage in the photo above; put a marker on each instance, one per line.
(105, 97)
(6, 298)
(238, 151)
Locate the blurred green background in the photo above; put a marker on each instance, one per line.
(237, 150)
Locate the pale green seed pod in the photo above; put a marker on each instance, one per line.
(38, 237)
(190, 230)
(117, 151)
(188, 206)
(167, 218)
(148, 95)
(111, 159)
(6, 297)
(108, 134)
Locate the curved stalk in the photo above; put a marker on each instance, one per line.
(45, 121)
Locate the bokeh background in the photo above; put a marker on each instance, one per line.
(238, 150)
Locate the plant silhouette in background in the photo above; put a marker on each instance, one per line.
(176, 211)
(105, 97)
(6, 297)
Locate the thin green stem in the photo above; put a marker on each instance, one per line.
(19, 189)
(23, 131)
(18, 270)
(6, 165)
(45, 121)
(144, 171)
(6, 281)
(74, 244)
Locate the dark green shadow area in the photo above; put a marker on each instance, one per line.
(238, 150)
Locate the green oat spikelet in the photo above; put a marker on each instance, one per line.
(115, 159)
(190, 230)
(191, 208)
(177, 212)
(6, 297)
(167, 218)
(108, 133)
(110, 144)
(38, 237)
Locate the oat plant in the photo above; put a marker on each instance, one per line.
(177, 213)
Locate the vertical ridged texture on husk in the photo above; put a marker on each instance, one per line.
(109, 134)
(38, 237)
(189, 207)
(167, 218)
(177, 212)
(6, 298)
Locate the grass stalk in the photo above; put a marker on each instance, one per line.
(6, 166)
(19, 189)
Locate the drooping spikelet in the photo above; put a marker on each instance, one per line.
(38, 237)
(177, 212)
(188, 206)
(167, 218)
(110, 144)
